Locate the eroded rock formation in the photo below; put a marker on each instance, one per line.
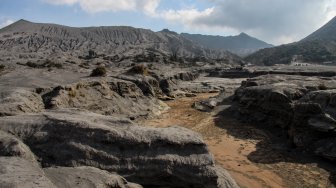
(303, 106)
(166, 157)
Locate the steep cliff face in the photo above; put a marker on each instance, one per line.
(24, 37)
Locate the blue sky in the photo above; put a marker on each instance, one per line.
(275, 21)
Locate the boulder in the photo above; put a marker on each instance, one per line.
(205, 105)
(273, 101)
(152, 157)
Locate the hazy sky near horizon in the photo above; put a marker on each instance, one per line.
(274, 21)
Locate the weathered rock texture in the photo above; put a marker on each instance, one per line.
(105, 96)
(303, 106)
(166, 157)
(18, 172)
(20, 168)
(170, 83)
(84, 176)
(15, 101)
(12, 146)
(160, 85)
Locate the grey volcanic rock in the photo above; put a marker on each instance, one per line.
(166, 157)
(158, 86)
(171, 83)
(105, 96)
(297, 105)
(89, 177)
(147, 84)
(315, 113)
(19, 168)
(205, 105)
(12, 146)
(15, 101)
(18, 172)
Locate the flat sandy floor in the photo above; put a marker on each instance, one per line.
(246, 152)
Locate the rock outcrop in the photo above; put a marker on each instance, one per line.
(152, 157)
(170, 83)
(158, 86)
(14, 101)
(20, 168)
(303, 106)
(105, 96)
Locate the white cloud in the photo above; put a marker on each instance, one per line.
(330, 9)
(94, 6)
(149, 7)
(5, 23)
(184, 16)
(276, 21)
(61, 2)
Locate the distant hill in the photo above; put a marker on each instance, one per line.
(242, 44)
(319, 47)
(28, 39)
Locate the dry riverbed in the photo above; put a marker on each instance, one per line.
(245, 151)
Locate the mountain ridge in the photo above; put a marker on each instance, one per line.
(26, 37)
(318, 47)
(326, 30)
(241, 44)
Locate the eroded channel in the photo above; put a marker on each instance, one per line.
(251, 155)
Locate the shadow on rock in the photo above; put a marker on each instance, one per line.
(273, 146)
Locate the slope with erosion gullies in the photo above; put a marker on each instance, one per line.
(241, 44)
(24, 37)
(318, 47)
